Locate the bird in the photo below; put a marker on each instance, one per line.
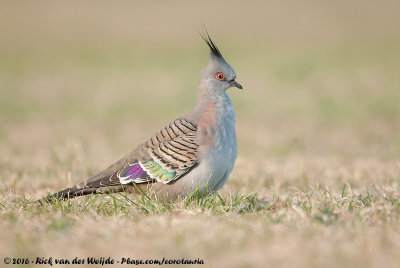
(195, 152)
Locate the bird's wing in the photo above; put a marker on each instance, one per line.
(166, 156)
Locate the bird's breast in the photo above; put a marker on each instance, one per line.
(216, 126)
(218, 144)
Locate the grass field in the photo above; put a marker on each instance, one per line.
(317, 180)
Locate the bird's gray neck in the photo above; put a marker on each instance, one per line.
(207, 97)
(211, 103)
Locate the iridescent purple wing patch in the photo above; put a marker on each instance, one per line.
(133, 174)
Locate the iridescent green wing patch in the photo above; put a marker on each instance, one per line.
(156, 171)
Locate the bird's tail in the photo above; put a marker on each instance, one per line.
(104, 182)
(79, 189)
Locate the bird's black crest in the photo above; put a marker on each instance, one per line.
(213, 48)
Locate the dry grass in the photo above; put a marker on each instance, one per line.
(317, 181)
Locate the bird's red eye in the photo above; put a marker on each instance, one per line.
(220, 76)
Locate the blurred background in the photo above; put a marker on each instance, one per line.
(81, 83)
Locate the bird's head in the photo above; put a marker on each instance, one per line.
(218, 75)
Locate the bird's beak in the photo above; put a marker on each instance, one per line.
(233, 83)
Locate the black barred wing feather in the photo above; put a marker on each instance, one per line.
(171, 159)
(166, 156)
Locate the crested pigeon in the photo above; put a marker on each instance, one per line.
(195, 152)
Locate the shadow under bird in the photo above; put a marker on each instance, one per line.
(195, 152)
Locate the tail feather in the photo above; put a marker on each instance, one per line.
(75, 191)
(103, 182)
